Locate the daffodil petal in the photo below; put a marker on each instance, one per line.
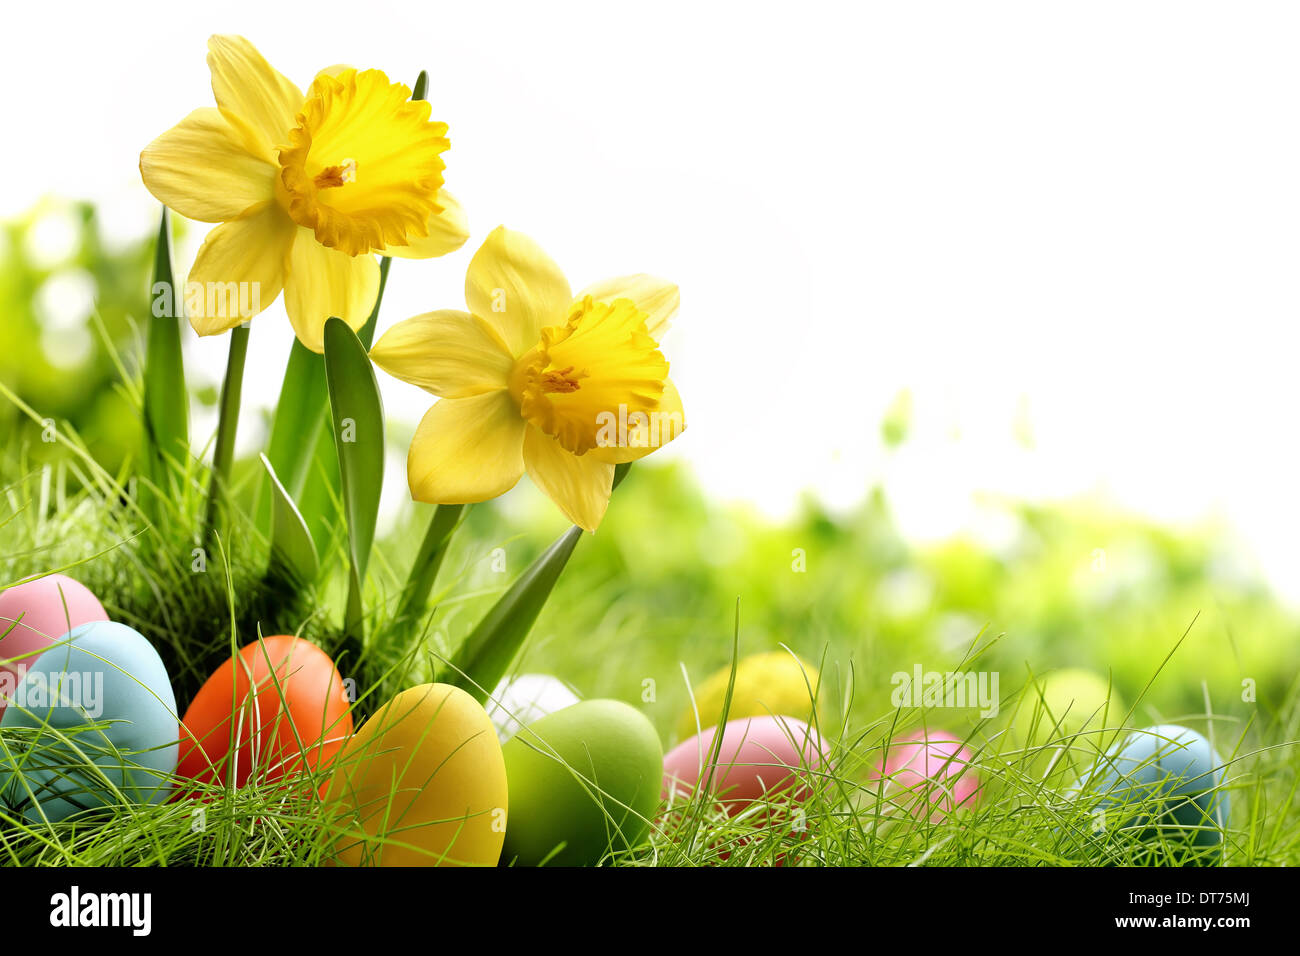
(657, 298)
(448, 231)
(467, 449)
(325, 282)
(517, 287)
(579, 484)
(451, 354)
(250, 88)
(636, 439)
(239, 270)
(201, 168)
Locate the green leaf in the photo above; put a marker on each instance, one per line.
(299, 444)
(166, 405)
(223, 455)
(292, 550)
(321, 498)
(299, 415)
(358, 417)
(485, 656)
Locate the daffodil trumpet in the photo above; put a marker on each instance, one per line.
(535, 379)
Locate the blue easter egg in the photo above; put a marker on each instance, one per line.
(99, 696)
(1163, 785)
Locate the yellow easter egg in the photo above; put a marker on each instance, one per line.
(422, 783)
(771, 683)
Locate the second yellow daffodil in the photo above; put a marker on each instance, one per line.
(307, 189)
(534, 379)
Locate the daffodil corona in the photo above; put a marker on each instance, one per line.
(533, 379)
(307, 189)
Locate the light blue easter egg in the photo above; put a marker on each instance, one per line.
(1164, 785)
(99, 696)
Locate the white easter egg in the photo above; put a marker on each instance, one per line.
(518, 701)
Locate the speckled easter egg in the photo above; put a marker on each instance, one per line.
(767, 684)
(35, 615)
(759, 758)
(290, 712)
(422, 783)
(107, 691)
(583, 781)
(1164, 785)
(518, 701)
(927, 771)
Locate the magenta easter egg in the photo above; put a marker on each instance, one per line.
(35, 615)
(759, 758)
(928, 768)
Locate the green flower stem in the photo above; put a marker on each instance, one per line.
(424, 571)
(227, 423)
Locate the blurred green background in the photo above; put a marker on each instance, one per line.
(657, 587)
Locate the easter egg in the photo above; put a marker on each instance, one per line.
(583, 781)
(1071, 710)
(771, 683)
(1164, 785)
(422, 783)
(759, 758)
(518, 701)
(106, 691)
(35, 615)
(290, 712)
(928, 770)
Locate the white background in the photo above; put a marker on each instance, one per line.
(1078, 222)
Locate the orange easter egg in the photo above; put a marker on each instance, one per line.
(289, 708)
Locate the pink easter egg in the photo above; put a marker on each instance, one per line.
(933, 768)
(35, 615)
(758, 758)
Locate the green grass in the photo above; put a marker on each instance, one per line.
(612, 626)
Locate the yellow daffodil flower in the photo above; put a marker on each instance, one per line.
(307, 190)
(533, 379)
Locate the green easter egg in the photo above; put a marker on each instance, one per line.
(1069, 709)
(583, 780)
(774, 683)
